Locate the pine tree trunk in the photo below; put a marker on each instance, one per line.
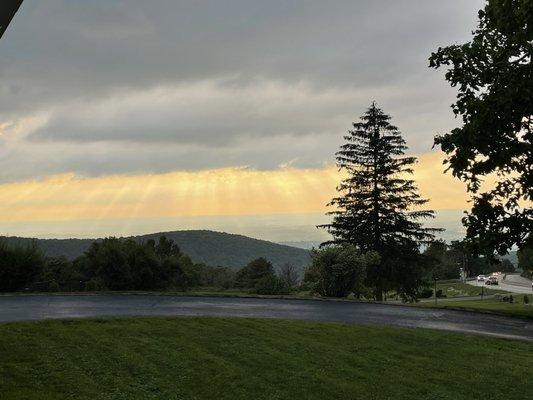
(375, 210)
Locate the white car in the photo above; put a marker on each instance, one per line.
(481, 278)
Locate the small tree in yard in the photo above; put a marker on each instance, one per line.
(259, 275)
(248, 276)
(271, 284)
(444, 266)
(288, 275)
(337, 271)
(378, 207)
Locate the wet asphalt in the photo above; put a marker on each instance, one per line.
(42, 307)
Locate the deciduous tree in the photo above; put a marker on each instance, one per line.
(494, 77)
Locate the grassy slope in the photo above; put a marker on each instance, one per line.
(208, 358)
(458, 289)
(490, 305)
(453, 290)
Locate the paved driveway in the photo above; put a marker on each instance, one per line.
(39, 307)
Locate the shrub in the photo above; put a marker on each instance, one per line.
(250, 275)
(337, 271)
(59, 274)
(526, 299)
(221, 277)
(94, 285)
(123, 264)
(425, 293)
(270, 284)
(53, 286)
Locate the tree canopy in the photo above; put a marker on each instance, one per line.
(493, 74)
(375, 206)
(525, 257)
(19, 266)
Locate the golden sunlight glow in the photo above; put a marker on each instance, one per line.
(228, 191)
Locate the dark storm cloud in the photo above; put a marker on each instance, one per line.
(124, 86)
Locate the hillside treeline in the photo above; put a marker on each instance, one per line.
(202, 246)
(125, 264)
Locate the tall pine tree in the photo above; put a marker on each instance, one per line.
(378, 207)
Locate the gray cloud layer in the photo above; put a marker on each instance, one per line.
(112, 86)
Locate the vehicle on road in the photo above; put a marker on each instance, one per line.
(492, 281)
(481, 278)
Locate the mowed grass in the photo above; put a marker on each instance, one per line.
(459, 289)
(234, 358)
(517, 308)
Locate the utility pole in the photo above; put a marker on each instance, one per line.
(435, 291)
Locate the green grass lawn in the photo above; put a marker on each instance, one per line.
(218, 292)
(233, 358)
(489, 305)
(459, 289)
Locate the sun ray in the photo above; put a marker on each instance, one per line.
(226, 191)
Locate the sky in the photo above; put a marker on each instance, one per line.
(128, 117)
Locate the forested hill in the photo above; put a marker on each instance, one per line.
(211, 248)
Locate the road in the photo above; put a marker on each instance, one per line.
(513, 283)
(518, 282)
(40, 307)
